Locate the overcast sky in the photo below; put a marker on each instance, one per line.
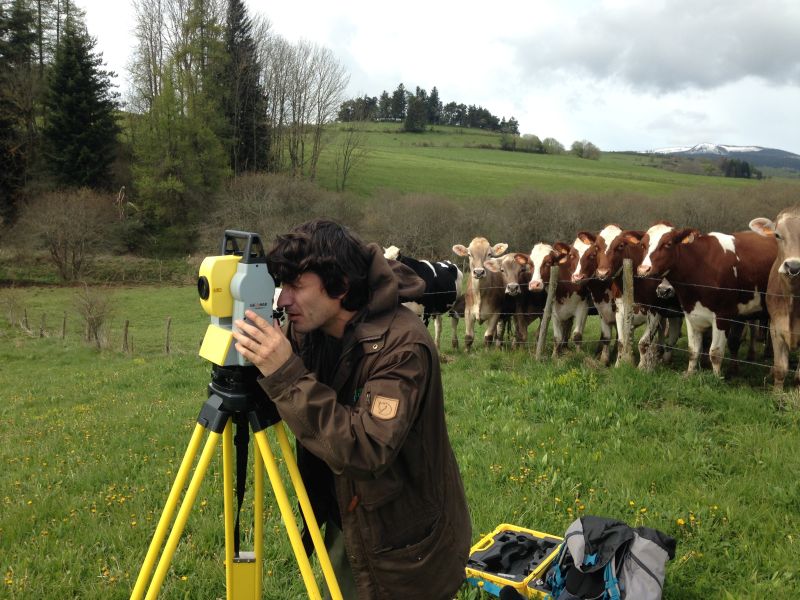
(623, 74)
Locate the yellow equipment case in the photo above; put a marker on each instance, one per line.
(513, 556)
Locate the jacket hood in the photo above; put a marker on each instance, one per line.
(391, 283)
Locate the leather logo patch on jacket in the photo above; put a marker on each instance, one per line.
(384, 408)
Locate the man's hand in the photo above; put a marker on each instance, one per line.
(262, 344)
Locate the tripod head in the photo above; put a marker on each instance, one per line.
(236, 390)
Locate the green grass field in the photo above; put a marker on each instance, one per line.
(92, 440)
(466, 164)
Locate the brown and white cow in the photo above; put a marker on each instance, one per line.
(528, 305)
(783, 289)
(600, 289)
(659, 311)
(719, 279)
(485, 293)
(571, 302)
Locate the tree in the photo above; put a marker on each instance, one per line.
(71, 225)
(399, 103)
(17, 104)
(245, 108)
(352, 150)
(585, 149)
(434, 107)
(552, 146)
(416, 115)
(81, 128)
(384, 106)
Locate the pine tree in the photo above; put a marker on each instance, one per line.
(245, 102)
(81, 129)
(17, 101)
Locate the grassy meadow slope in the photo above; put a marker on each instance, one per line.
(459, 163)
(92, 440)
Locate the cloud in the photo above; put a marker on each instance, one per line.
(670, 45)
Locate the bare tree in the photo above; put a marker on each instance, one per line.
(71, 225)
(327, 94)
(352, 150)
(146, 66)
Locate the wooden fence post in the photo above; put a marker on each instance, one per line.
(42, 325)
(548, 309)
(627, 311)
(64, 326)
(25, 320)
(125, 336)
(166, 342)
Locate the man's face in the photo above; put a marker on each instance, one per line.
(308, 306)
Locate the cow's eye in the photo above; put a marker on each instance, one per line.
(778, 236)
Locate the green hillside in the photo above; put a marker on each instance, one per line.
(465, 163)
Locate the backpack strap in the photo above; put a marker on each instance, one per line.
(555, 577)
(611, 580)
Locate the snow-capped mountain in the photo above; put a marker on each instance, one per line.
(756, 155)
(706, 148)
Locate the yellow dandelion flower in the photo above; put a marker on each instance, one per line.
(184, 577)
(631, 503)
(680, 522)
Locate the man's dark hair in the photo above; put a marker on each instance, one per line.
(335, 253)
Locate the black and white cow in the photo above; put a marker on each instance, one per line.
(443, 286)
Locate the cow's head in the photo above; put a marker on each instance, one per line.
(585, 248)
(786, 231)
(479, 251)
(515, 269)
(542, 258)
(391, 253)
(661, 245)
(627, 244)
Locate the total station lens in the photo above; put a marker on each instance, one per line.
(202, 288)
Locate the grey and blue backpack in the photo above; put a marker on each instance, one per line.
(604, 559)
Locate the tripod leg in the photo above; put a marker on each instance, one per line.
(227, 495)
(258, 518)
(308, 512)
(288, 517)
(166, 514)
(183, 515)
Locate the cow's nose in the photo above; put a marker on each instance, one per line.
(512, 289)
(642, 271)
(792, 267)
(478, 273)
(534, 285)
(602, 273)
(665, 291)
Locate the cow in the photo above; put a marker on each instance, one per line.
(600, 289)
(485, 291)
(571, 302)
(654, 301)
(528, 305)
(719, 279)
(443, 285)
(783, 288)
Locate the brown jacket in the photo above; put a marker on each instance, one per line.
(378, 424)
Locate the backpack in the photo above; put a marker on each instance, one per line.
(604, 559)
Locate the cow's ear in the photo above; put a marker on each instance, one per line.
(561, 249)
(632, 237)
(499, 249)
(763, 226)
(586, 237)
(492, 264)
(686, 236)
(460, 250)
(522, 259)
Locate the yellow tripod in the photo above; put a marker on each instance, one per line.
(233, 391)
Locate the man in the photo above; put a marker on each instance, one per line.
(360, 387)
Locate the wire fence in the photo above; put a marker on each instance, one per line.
(754, 322)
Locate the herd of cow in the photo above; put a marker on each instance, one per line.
(714, 282)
